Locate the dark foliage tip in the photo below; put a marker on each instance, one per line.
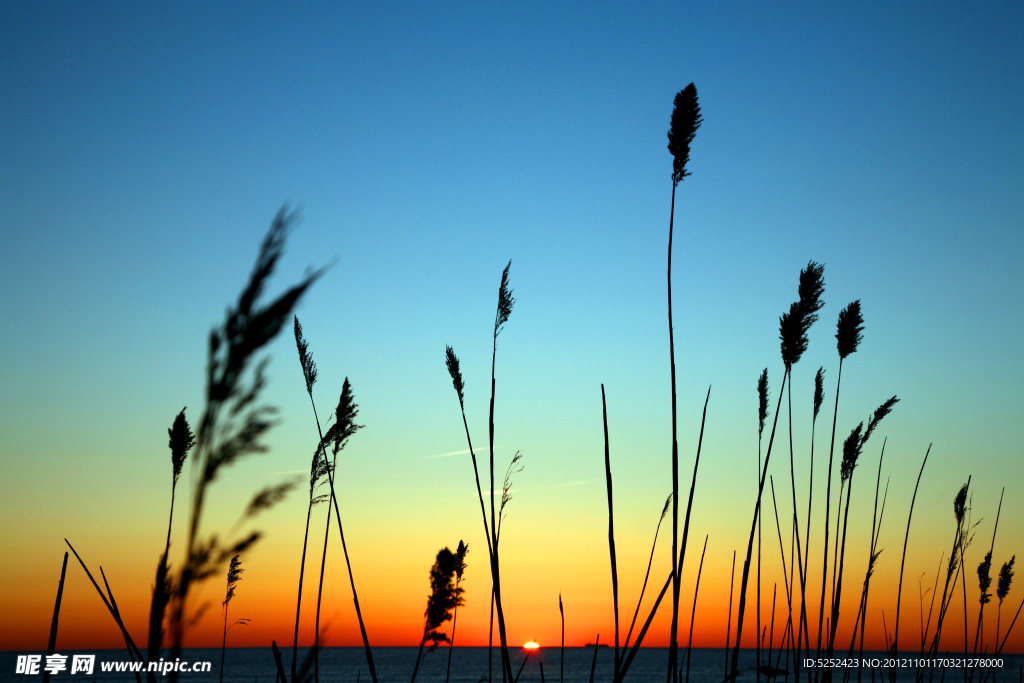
(686, 119)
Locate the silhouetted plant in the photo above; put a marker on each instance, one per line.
(317, 476)
(848, 337)
(647, 574)
(895, 643)
(460, 569)
(852, 449)
(504, 310)
(180, 440)
(793, 330)
(985, 579)
(445, 596)
(234, 420)
(1003, 589)
(234, 576)
(686, 119)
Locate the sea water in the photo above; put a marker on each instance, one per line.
(470, 665)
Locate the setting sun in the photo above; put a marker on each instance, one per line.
(531, 645)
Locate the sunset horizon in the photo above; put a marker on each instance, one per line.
(427, 324)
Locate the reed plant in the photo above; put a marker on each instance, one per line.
(849, 335)
(501, 316)
(793, 328)
(234, 420)
(180, 441)
(852, 449)
(985, 579)
(234, 576)
(460, 570)
(893, 646)
(317, 477)
(686, 119)
(445, 596)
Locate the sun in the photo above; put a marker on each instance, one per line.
(532, 645)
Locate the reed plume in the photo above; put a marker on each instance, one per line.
(1003, 589)
(234, 576)
(686, 119)
(445, 596)
(180, 441)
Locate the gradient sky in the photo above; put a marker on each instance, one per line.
(144, 149)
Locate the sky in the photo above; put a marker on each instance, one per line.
(146, 148)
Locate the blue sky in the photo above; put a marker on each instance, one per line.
(146, 147)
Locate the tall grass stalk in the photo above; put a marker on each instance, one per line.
(344, 427)
(460, 569)
(561, 655)
(762, 414)
(180, 440)
(693, 610)
(611, 527)
(628, 659)
(734, 666)
(895, 647)
(51, 643)
(686, 119)
(812, 286)
(133, 651)
(128, 642)
(782, 552)
(234, 576)
(852, 449)
(317, 474)
(728, 628)
(793, 327)
(593, 662)
(873, 554)
(504, 309)
(647, 575)
(985, 578)
(819, 398)
(849, 329)
(953, 566)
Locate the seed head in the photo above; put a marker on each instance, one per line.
(849, 328)
(686, 119)
(851, 452)
(505, 302)
(812, 286)
(453, 369)
(305, 358)
(344, 417)
(762, 401)
(960, 504)
(234, 576)
(1005, 579)
(985, 578)
(792, 335)
(181, 440)
(819, 390)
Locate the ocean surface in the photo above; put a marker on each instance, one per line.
(469, 665)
